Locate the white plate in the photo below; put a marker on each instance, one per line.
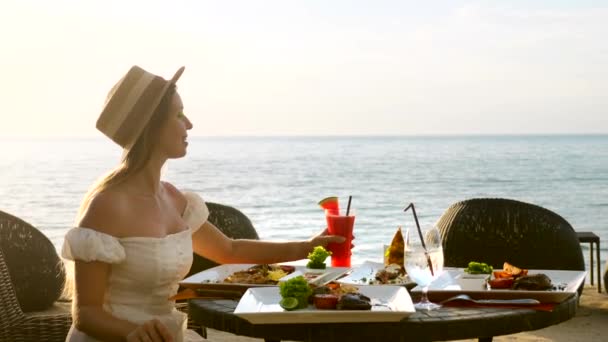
(214, 277)
(260, 305)
(366, 275)
(317, 277)
(453, 281)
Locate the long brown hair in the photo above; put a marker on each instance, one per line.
(134, 159)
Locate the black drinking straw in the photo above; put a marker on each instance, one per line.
(348, 206)
(428, 257)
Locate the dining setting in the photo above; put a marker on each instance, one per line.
(414, 292)
(540, 255)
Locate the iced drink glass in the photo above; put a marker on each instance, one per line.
(340, 225)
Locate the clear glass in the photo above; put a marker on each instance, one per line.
(423, 265)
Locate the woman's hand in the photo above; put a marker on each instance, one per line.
(323, 239)
(150, 331)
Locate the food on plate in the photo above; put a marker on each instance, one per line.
(317, 257)
(340, 289)
(289, 303)
(396, 248)
(514, 270)
(501, 283)
(326, 301)
(354, 301)
(333, 288)
(502, 274)
(505, 278)
(319, 290)
(298, 288)
(533, 282)
(478, 268)
(510, 271)
(260, 274)
(275, 275)
(330, 203)
(516, 278)
(390, 274)
(340, 297)
(297, 293)
(393, 272)
(326, 297)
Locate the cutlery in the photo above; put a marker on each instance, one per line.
(518, 301)
(328, 277)
(377, 302)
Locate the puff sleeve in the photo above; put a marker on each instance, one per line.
(90, 245)
(196, 212)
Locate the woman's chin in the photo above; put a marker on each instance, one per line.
(178, 154)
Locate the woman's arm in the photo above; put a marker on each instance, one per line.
(212, 244)
(89, 315)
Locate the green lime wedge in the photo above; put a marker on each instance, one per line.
(289, 303)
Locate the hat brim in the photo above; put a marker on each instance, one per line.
(177, 75)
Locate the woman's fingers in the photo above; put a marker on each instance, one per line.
(327, 239)
(151, 331)
(163, 332)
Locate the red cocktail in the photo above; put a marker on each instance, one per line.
(343, 226)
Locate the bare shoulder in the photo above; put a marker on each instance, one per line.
(105, 212)
(176, 196)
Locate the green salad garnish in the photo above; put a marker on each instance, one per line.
(298, 288)
(478, 268)
(317, 257)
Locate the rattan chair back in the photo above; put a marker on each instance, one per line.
(10, 312)
(51, 324)
(495, 230)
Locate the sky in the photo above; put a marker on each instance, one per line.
(316, 67)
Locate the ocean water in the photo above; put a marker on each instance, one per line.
(277, 181)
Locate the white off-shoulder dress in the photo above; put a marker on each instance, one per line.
(145, 271)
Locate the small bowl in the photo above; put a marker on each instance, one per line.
(315, 270)
(466, 275)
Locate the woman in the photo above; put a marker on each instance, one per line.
(136, 234)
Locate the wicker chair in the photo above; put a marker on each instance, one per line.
(50, 324)
(495, 230)
(234, 224)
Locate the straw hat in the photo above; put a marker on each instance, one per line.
(131, 103)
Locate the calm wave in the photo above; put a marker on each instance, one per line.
(277, 181)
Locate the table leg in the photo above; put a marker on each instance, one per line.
(599, 276)
(591, 260)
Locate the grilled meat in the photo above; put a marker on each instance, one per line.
(534, 282)
(354, 301)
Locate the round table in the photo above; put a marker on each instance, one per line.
(447, 323)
